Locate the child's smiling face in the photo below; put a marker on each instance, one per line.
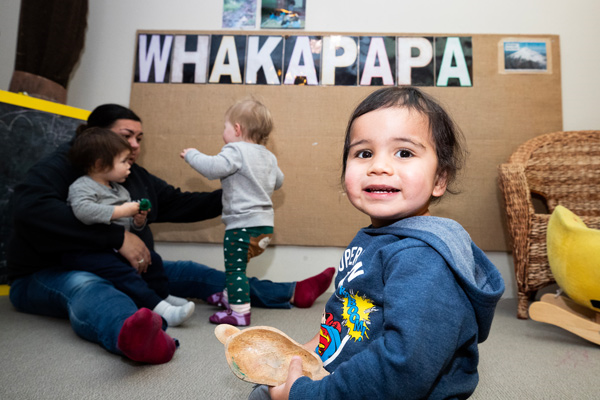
(391, 166)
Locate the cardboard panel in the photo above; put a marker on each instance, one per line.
(497, 113)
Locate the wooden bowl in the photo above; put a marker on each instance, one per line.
(262, 354)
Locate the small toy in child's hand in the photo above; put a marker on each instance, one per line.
(145, 205)
(262, 354)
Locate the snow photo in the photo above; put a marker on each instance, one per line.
(525, 56)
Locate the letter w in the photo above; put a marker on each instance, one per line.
(153, 54)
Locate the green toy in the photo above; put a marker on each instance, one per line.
(145, 205)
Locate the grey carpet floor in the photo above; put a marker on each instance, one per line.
(41, 358)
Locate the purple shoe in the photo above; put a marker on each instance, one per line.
(230, 317)
(218, 299)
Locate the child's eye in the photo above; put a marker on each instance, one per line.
(364, 154)
(404, 153)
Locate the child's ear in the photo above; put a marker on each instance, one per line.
(96, 167)
(441, 183)
(238, 129)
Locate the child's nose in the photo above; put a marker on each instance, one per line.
(381, 165)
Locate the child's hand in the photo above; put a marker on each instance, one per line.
(184, 152)
(131, 208)
(126, 210)
(139, 219)
(282, 392)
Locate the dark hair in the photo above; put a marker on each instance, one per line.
(105, 115)
(446, 135)
(97, 145)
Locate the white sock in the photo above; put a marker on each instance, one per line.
(176, 301)
(175, 315)
(240, 308)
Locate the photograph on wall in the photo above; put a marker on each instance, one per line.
(239, 14)
(283, 14)
(524, 56)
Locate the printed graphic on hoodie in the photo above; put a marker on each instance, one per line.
(334, 335)
(355, 312)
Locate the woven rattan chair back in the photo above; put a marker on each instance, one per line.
(558, 168)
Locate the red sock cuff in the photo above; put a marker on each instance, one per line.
(142, 338)
(308, 290)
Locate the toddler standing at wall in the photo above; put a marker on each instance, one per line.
(249, 175)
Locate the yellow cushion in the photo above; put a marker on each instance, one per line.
(574, 257)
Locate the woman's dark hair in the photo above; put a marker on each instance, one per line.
(96, 148)
(446, 135)
(105, 115)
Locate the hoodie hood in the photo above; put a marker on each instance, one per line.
(478, 277)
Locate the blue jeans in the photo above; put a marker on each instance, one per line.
(97, 310)
(146, 290)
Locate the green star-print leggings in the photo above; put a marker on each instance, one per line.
(240, 245)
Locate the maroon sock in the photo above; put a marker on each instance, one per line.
(308, 290)
(142, 338)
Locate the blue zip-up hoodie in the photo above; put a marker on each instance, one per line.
(412, 302)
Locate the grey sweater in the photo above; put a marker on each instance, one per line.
(249, 175)
(93, 203)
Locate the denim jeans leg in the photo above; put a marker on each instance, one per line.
(94, 307)
(260, 392)
(190, 279)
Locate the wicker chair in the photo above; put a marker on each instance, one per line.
(558, 168)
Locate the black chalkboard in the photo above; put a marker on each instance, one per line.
(26, 135)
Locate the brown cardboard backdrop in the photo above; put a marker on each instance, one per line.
(497, 114)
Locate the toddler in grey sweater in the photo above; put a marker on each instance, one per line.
(249, 175)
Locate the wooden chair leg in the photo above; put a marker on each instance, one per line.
(523, 305)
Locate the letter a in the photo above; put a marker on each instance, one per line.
(302, 51)
(453, 51)
(227, 50)
(376, 53)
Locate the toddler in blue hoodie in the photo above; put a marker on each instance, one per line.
(414, 296)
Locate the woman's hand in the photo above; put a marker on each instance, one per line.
(282, 392)
(136, 252)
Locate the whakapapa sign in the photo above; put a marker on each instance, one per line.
(304, 60)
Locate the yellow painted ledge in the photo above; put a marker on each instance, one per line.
(23, 100)
(4, 290)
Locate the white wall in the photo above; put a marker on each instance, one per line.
(104, 73)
